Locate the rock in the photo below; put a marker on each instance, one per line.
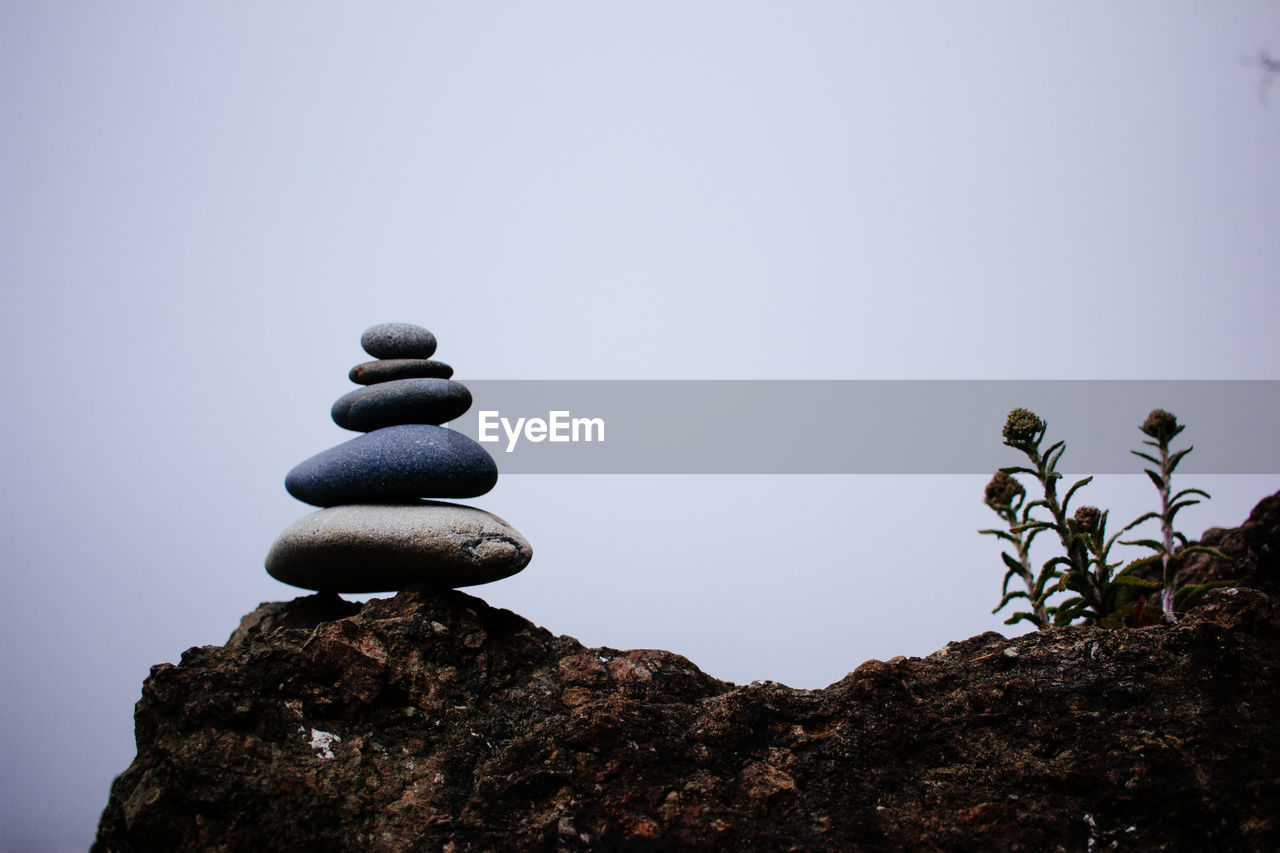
(1253, 552)
(396, 463)
(380, 547)
(398, 340)
(387, 369)
(401, 401)
(431, 721)
(305, 612)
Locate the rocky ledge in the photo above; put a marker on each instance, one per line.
(430, 721)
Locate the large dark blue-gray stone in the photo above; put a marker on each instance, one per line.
(387, 369)
(398, 340)
(402, 401)
(395, 463)
(386, 547)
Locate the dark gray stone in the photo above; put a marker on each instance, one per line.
(401, 401)
(388, 369)
(384, 547)
(398, 340)
(393, 464)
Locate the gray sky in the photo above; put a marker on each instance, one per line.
(205, 204)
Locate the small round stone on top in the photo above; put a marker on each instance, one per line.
(398, 340)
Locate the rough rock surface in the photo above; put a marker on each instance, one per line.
(430, 721)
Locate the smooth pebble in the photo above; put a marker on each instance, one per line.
(387, 369)
(394, 464)
(398, 340)
(401, 401)
(383, 547)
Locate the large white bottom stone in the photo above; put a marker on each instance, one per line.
(385, 547)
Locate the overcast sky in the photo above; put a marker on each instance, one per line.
(203, 205)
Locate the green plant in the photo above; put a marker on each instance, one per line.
(1024, 431)
(1161, 427)
(1102, 597)
(1007, 497)
(1101, 594)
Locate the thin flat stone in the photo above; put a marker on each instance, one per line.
(381, 548)
(395, 464)
(402, 401)
(398, 340)
(388, 369)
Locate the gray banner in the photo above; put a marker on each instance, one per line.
(860, 426)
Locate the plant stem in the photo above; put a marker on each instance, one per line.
(1024, 557)
(1037, 604)
(1079, 558)
(1166, 528)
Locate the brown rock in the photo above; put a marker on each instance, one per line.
(430, 721)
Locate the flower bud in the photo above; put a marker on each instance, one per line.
(1001, 491)
(1160, 425)
(1086, 519)
(1021, 427)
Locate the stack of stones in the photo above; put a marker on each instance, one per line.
(376, 533)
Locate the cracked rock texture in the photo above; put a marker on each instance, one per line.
(430, 721)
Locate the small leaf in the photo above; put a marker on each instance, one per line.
(1038, 589)
(1056, 452)
(1139, 520)
(1204, 549)
(1001, 534)
(1031, 525)
(1068, 610)
(1018, 617)
(1014, 565)
(1018, 469)
(1071, 491)
(1017, 593)
(1173, 510)
(1133, 580)
(1155, 478)
(1154, 559)
(1177, 457)
(1201, 492)
(1146, 456)
(1145, 543)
